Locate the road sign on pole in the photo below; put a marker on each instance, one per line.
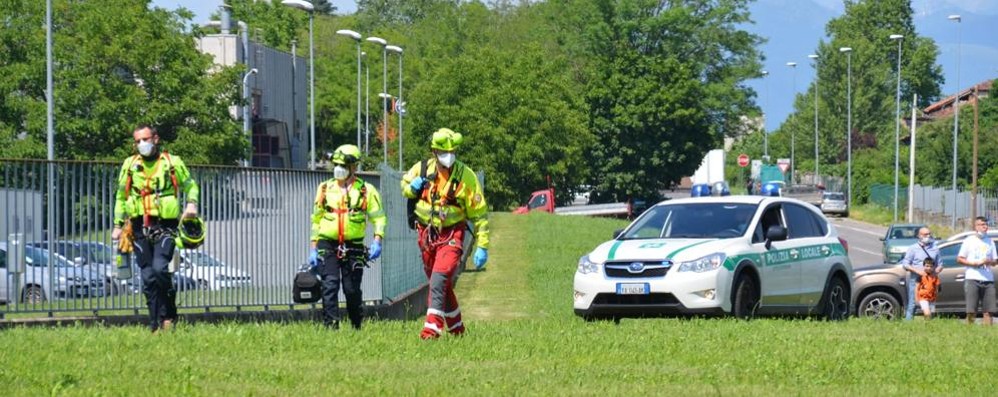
(743, 160)
(784, 165)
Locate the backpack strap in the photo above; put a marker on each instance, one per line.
(173, 173)
(128, 180)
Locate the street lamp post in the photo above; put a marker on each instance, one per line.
(793, 134)
(398, 50)
(367, 105)
(848, 52)
(814, 57)
(956, 111)
(356, 37)
(384, 89)
(307, 7)
(765, 135)
(897, 127)
(50, 134)
(247, 124)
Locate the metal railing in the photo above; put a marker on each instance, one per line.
(257, 236)
(934, 205)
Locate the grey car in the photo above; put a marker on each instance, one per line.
(897, 240)
(37, 283)
(834, 203)
(880, 291)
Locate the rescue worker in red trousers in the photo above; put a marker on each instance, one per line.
(148, 196)
(343, 207)
(449, 196)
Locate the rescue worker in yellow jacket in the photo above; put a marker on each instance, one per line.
(449, 197)
(343, 207)
(148, 195)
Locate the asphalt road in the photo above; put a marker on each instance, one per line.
(863, 239)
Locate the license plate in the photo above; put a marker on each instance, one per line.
(632, 288)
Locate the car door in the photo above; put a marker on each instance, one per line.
(4, 289)
(951, 278)
(811, 252)
(779, 277)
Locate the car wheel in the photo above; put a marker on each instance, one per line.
(33, 294)
(879, 305)
(746, 299)
(835, 302)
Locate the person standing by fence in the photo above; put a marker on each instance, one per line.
(912, 263)
(148, 197)
(977, 253)
(343, 207)
(449, 195)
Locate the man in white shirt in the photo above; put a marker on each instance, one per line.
(977, 253)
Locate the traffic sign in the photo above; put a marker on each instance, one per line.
(784, 165)
(743, 160)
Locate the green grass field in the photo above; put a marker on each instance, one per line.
(522, 340)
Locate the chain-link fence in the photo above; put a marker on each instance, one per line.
(257, 237)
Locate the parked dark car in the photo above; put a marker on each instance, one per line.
(880, 291)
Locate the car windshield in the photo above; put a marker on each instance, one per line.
(904, 232)
(90, 252)
(202, 259)
(40, 257)
(835, 196)
(699, 220)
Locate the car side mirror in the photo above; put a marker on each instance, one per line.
(882, 238)
(617, 233)
(775, 233)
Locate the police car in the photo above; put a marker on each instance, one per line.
(738, 255)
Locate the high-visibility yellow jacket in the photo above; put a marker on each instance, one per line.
(346, 211)
(447, 202)
(150, 187)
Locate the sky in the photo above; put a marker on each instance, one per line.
(793, 29)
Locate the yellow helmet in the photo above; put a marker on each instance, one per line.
(346, 155)
(446, 139)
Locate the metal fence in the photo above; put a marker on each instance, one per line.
(257, 237)
(933, 205)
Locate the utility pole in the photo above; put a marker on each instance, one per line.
(973, 177)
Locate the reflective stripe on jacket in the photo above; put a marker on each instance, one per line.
(437, 209)
(326, 216)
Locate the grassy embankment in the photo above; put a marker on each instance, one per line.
(522, 339)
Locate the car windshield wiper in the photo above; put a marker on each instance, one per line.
(687, 235)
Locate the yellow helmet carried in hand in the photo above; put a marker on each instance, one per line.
(190, 233)
(346, 155)
(446, 139)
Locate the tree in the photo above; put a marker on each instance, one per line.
(112, 72)
(865, 27)
(664, 87)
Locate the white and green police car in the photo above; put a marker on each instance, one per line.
(743, 255)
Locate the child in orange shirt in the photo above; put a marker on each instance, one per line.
(928, 289)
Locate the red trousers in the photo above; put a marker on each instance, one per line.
(441, 251)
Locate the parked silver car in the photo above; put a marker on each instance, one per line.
(37, 283)
(834, 203)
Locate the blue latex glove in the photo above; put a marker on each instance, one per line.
(375, 250)
(417, 184)
(313, 257)
(481, 255)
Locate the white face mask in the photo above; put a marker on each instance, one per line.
(146, 148)
(925, 240)
(340, 173)
(446, 159)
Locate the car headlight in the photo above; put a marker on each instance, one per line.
(705, 264)
(587, 266)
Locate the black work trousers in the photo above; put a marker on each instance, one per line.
(153, 248)
(348, 270)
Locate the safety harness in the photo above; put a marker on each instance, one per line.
(344, 210)
(150, 196)
(430, 234)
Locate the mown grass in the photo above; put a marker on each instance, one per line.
(523, 339)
